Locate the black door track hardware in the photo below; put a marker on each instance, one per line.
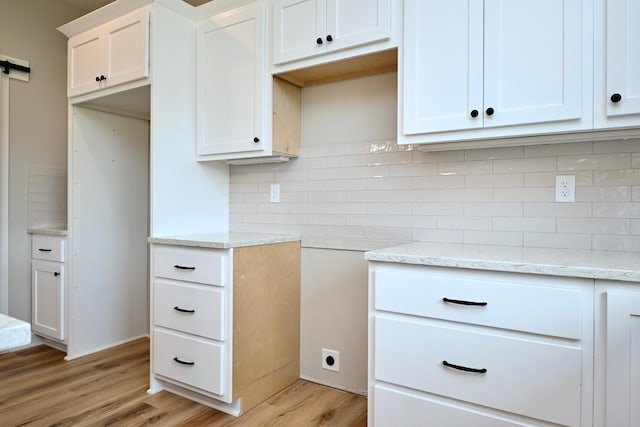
(6, 65)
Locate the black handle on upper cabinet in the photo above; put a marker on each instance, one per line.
(319, 40)
(182, 362)
(102, 78)
(329, 38)
(490, 111)
(182, 310)
(474, 113)
(97, 78)
(256, 139)
(616, 97)
(56, 274)
(182, 267)
(463, 302)
(464, 368)
(44, 250)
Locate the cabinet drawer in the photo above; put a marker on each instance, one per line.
(47, 248)
(190, 264)
(202, 361)
(393, 407)
(531, 378)
(509, 305)
(190, 308)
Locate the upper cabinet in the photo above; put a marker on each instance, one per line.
(472, 69)
(617, 89)
(110, 54)
(306, 28)
(237, 98)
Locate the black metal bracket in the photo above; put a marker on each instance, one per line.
(6, 65)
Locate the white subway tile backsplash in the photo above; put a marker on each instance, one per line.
(510, 180)
(603, 194)
(504, 238)
(617, 177)
(593, 225)
(571, 210)
(531, 164)
(622, 146)
(595, 162)
(500, 209)
(616, 243)
(494, 153)
(438, 236)
(557, 240)
(635, 194)
(524, 224)
(465, 168)
(531, 194)
(548, 150)
(635, 160)
(464, 222)
(635, 227)
(548, 179)
(616, 210)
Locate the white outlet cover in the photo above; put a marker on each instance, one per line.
(565, 188)
(336, 360)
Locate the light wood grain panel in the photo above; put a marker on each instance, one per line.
(287, 110)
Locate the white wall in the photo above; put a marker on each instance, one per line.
(38, 121)
(353, 189)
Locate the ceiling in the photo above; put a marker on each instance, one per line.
(90, 5)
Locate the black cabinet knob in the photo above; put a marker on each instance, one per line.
(97, 78)
(256, 139)
(329, 38)
(474, 113)
(103, 77)
(319, 40)
(490, 111)
(616, 97)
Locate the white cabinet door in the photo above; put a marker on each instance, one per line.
(532, 61)
(442, 87)
(622, 359)
(127, 48)
(306, 28)
(108, 55)
(231, 81)
(351, 23)
(299, 29)
(85, 62)
(617, 75)
(47, 280)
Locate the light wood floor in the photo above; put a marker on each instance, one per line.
(39, 388)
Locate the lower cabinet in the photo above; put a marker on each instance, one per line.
(617, 355)
(457, 347)
(48, 315)
(225, 322)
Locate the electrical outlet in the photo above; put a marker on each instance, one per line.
(331, 360)
(565, 188)
(274, 194)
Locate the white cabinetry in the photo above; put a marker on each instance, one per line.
(306, 28)
(494, 70)
(236, 93)
(110, 54)
(463, 347)
(617, 71)
(48, 314)
(617, 354)
(216, 313)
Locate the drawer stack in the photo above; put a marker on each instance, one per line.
(190, 318)
(48, 288)
(459, 347)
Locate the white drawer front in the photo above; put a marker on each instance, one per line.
(530, 378)
(190, 264)
(552, 311)
(394, 407)
(202, 361)
(190, 308)
(47, 248)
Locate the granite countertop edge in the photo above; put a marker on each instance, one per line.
(605, 265)
(223, 240)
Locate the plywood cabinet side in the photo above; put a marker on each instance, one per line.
(286, 118)
(266, 320)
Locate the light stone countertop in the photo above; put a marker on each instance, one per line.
(624, 266)
(13, 333)
(53, 231)
(224, 240)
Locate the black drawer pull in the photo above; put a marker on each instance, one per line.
(462, 302)
(44, 250)
(464, 368)
(182, 267)
(182, 310)
(182, 362)
(56, 274)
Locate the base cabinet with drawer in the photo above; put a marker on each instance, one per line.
(48, 313)
(457, 347)
(225, 322)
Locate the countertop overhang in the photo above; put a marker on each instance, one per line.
(224, 240)
(622, 266)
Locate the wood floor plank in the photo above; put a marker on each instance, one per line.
(39, 388)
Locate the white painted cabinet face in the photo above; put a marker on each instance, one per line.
(472, 64)
(231, 81)
(111, 54)
(306, 28)
(48, 299)
(617, 63)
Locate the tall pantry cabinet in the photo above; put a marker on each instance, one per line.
(131, 164)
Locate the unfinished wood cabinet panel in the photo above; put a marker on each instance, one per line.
(266, 319)
(286, 118)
